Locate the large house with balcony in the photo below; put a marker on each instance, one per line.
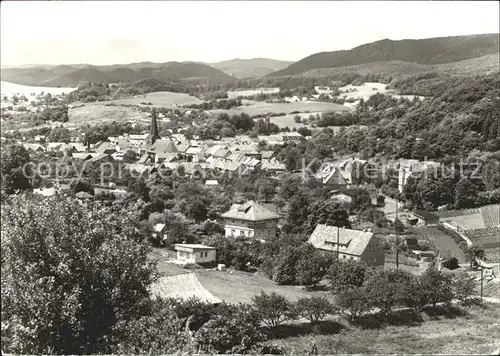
(250, 220)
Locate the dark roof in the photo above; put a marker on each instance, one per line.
(425, 214)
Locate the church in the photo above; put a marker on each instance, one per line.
(158, 149)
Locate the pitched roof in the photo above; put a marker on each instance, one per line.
(163, 145)
(352, 242)
(425, 214)
(251, 211)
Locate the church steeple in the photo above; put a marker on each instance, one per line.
(154, 133)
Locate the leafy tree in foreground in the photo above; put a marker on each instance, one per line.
(315, 308)
(313, 265)
(272, 309)
(346, 274)
(14, 158)
(354, 302)
(68, 278)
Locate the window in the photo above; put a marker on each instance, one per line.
(232, 221)
(233, 232)
(344, 257)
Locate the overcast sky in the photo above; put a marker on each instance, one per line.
(57, 32)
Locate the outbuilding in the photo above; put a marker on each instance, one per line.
(196, 253)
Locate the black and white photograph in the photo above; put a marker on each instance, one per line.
(250, 177)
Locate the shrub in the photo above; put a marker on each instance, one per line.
(315, 308)
(235, 329)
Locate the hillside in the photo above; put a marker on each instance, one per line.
(476, 66)
(74, 75)
(438, 50)
(250, 68)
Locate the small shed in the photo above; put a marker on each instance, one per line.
(160, 231)
(425, 218)
(211, 183)
(196, 253)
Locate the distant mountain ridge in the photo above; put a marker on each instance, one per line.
(250, 68)
(437, 50)
(74, 75)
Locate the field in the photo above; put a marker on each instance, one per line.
(452, 331)
(235, 93)
(160, 98)
(10, 89)
(368, 89)
(262, 108)
(237, 286)
(98, 113)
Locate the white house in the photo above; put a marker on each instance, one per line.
(196, 253)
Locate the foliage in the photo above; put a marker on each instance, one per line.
(315, 309)
(346, 274)
(463, 288)
(235, 329)
(14, 159)
(68, 277)
(326, 212)
(437, 286)
(385, 288)
(354, 302)
(313, 265)
(272, 309)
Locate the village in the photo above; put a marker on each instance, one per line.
(199, 185)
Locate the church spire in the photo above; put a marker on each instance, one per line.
(154, 133)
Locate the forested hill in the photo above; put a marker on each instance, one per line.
(437, 50)
(75, 75)
(250, 68)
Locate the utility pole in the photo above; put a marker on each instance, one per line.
(397, 238)
(482, 269)
(338, 242)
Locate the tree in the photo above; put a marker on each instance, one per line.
(354, 302)
(315, 308)
(463, 288)
(272, 309)
(158, 331)
(197, 210)
(129, 157)
(312, 266)
(472, 252)
(437, 286)
(267, 190)
(385, 289)
(84, 275)
(15, 169)
(326, 212)
(346, 274)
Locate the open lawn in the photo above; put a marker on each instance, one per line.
(263, 108)
(237, 286)
(450, 331)
(160, 98)
(235, 93)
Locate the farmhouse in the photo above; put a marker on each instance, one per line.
(251, 220)
(349, 244)
(196, 253)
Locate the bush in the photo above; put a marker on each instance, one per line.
(235, 329)
(315, 308)
(273, 309)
